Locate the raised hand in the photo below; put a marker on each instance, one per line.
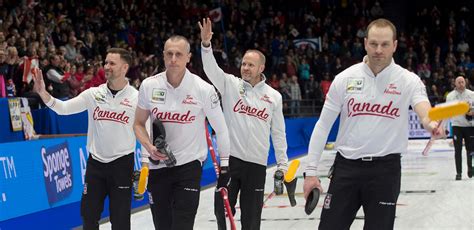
(206, 31)
(39, 86)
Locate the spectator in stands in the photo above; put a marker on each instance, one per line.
(3, 73)
(3, 41)
(433, 31)
(274, 82)
(312, 90)
(57, 77)
(291, 65)
(304, 70)
(325, 84)
(424, 69)
(22, 47)
(295, 96)
(89, 49)
(3, 63)
(13, 71)
(74, 81)
(376, 11)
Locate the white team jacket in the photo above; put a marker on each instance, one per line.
(468, 96)
(183, 111)
(110, 120)
(251, 114)
(373, 112)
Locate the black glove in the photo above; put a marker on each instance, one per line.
(159, 135)
(278, 182)
(136, 177)
(224, 178)
(468, 117)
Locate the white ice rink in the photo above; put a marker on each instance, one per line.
(430, 198)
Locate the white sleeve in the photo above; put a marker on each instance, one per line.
(212, 70)
(331, 109)
(71, 106)
(143, 100)
(53, 75)
(318, 139)
(419, 93)
(214, 114)
(144, 153)
(279, 135)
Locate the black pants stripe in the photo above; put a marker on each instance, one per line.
(460, 134)
(249, 179)
(175, 195)
(374, 185)
(112, 179)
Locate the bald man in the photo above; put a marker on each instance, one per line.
(462, 126)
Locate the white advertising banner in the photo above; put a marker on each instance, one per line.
(416, 130)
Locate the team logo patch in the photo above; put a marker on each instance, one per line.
(214, 100)
(242, 90)
(99, 97)
(327, 201)
(158, 96)
(355, 85)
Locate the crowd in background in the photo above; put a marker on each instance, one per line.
(69, 39)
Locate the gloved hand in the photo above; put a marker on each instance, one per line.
(159, 136)
(136, 177)
(224, 178)
(278, 182)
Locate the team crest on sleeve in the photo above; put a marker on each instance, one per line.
(158, 96)
(355, 85)
(214, 100)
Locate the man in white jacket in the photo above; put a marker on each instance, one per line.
(181, 101)
(110, 139)
(372, 99)
(253, 111)
(462, 126)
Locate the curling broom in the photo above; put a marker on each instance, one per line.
(288, 178)
(442, 112)
(223, 191)
(143, 180)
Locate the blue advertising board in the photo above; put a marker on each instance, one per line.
(43, 174)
